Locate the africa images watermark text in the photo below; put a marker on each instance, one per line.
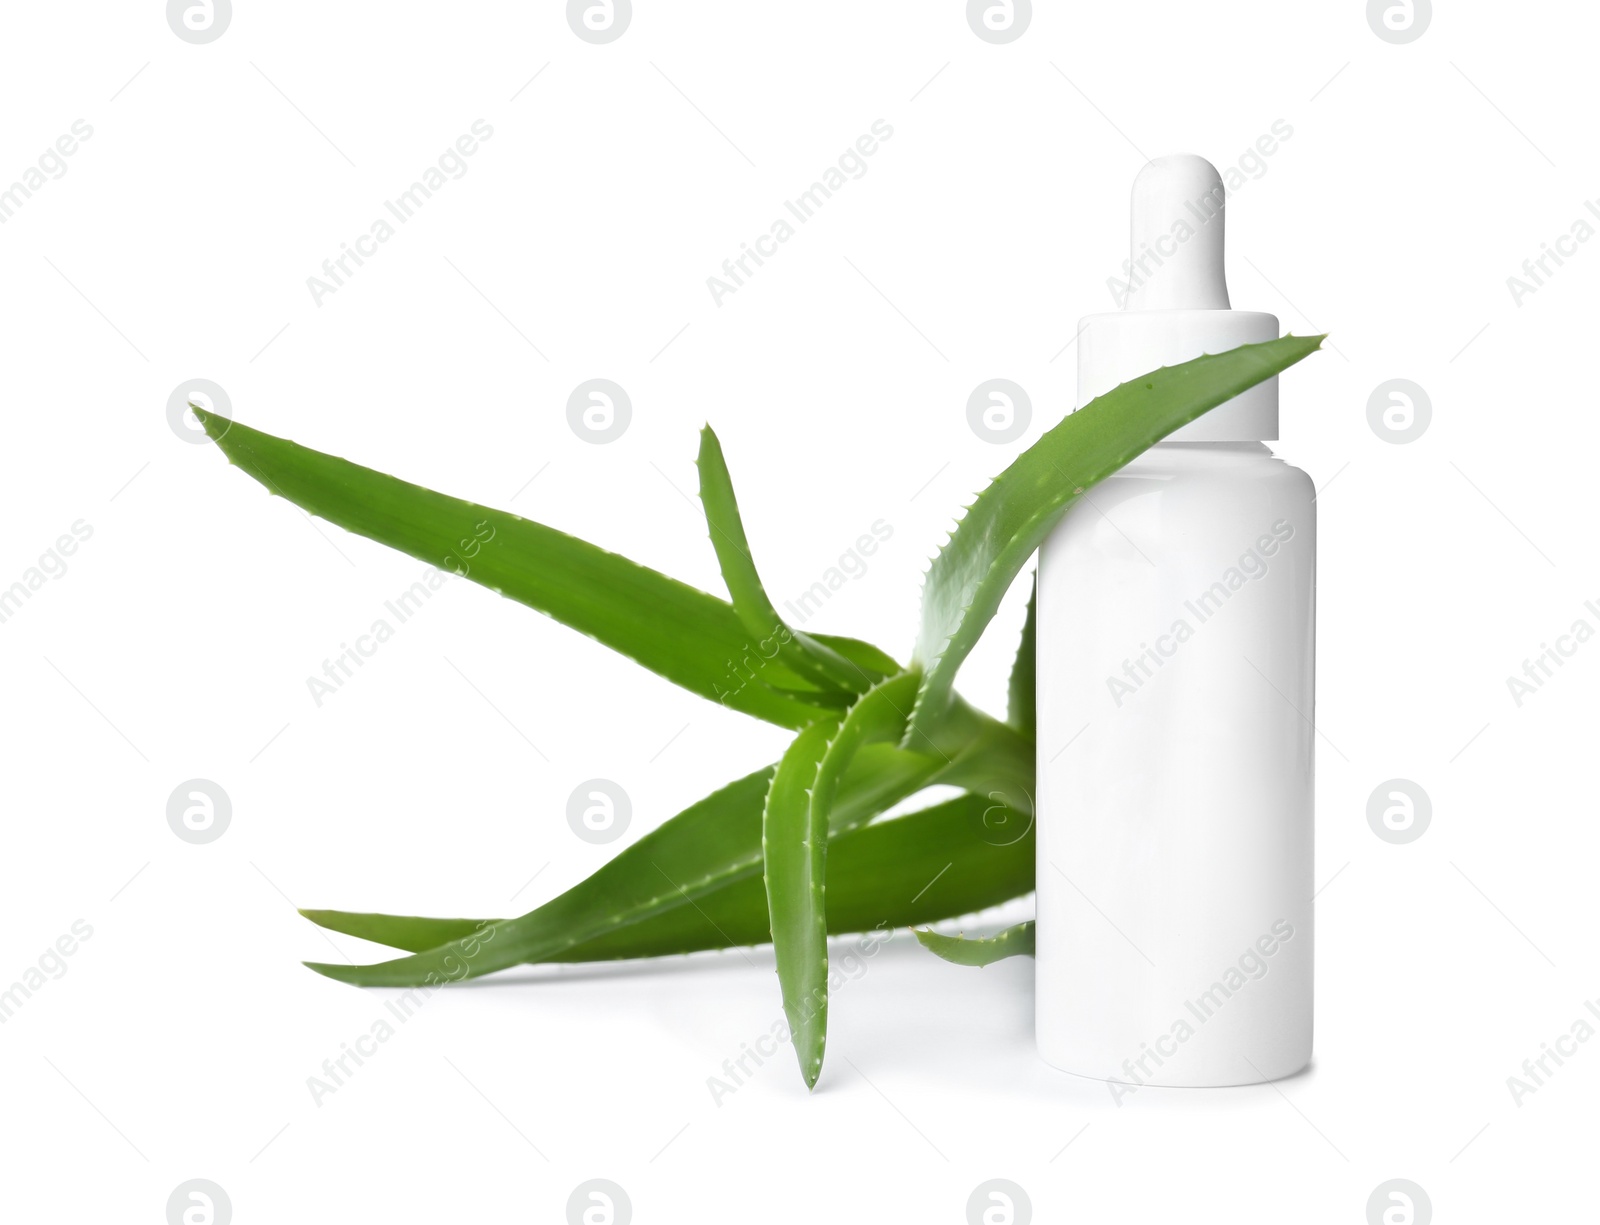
(852, 162)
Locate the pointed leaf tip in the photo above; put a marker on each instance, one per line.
(676, 631)
(1013, 516)
(213, 422)
(1015, 941)
(329, 970)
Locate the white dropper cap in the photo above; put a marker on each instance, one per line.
(1174, 298)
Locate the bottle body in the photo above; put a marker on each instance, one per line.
(1176, 685)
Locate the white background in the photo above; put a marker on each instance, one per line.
(177, 245)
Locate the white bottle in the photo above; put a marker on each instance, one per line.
(1175, 656)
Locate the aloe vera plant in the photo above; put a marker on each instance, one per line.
(794, 852)
(986, 950)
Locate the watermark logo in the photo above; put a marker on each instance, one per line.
(999, 411)
(850, 165)
(199, 811)
(1536, 671)
(999, 1202)
(1538, 269)
(599, 811)
(199, 1202)
(52, 564)
(52, 162)
(1537, 1070)
(207, 395)
(456, 965)
(1253, 564)
(1252, 965)
(46, 968)
(851, 565)
(999, 21)
(1399, 811)
(599, 21)
(848, 964)
(1399, 411)
(341, 669)
(1399, 21)
(599, 1202)
(1399, 1202)
(1251, 165)
(199, 21)
(453, 163)
(599, 411)
(1005, 820)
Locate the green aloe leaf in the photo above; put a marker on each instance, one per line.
(862, 655)
(1011, 518)
(709, 844)
(1022, 697)
(410, 933)
(800, 816)
(1013, 942)
(925, 866)
(987, 758)
(933, 864)
(693, 639)
(878, 717)
(795, 846)
(815, 660)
